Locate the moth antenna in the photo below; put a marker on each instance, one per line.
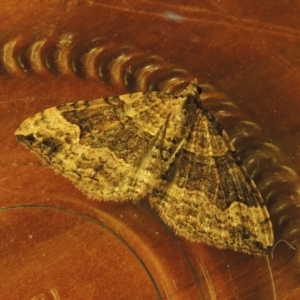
(281, 240)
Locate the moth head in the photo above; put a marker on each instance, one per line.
(191, 90)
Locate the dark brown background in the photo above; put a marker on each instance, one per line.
(57, 244)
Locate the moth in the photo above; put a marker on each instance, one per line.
(166, 147)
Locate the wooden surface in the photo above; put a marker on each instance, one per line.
(57, 244)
